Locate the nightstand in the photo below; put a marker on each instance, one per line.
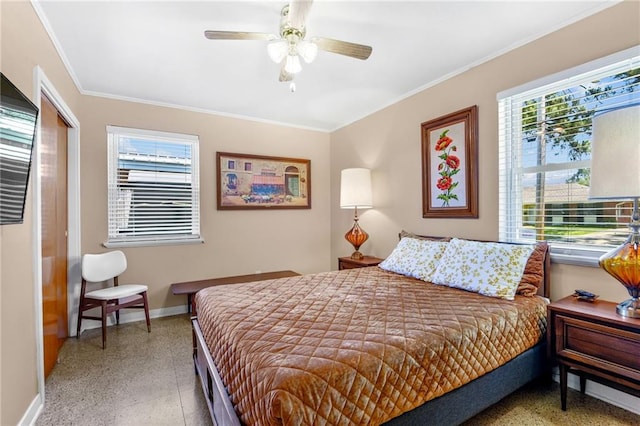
(592, 341)
(349, 263)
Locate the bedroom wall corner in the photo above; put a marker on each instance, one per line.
(389, 142)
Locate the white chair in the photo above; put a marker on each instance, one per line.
(106, 267)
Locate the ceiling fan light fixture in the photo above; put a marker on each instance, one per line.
(293, 66)
(277, 50)
(308, 50)
(290, 46)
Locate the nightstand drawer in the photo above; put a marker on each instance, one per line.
(583, 341)
(345, 265)
(592, 341)
(349, 263)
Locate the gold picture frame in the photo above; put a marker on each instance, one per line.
(450, 165)
(247, 181)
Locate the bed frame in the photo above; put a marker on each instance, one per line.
(451, 408)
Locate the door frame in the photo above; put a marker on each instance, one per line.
(42, 85)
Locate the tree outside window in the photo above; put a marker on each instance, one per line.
(546, 153)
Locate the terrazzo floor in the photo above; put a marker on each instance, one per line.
(148, 379)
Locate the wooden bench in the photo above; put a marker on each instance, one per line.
(192, 287)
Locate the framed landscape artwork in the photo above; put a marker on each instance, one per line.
(450, 165)
(260, 182)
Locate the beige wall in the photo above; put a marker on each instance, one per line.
(25, 44)
(236, 242)
(389, 143)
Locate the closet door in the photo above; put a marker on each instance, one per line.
(53, 172)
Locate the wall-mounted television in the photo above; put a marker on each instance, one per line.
(18, 116)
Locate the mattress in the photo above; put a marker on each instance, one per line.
(358, 346)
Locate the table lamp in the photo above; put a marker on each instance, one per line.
(355, 193)
(615, 175)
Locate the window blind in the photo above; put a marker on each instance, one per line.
(153, 187)
(545, 157)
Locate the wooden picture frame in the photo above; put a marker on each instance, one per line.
(261, 182)
(450, 165)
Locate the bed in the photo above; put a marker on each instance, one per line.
(366, 346)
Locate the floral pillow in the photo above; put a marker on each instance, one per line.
(415, 258)
(491, 269)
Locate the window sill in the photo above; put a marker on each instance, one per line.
(152, 243)
(578, 257)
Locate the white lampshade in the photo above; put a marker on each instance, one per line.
(277, 50)
(292, 66)
(308, 50)
(355, 189)
(615, 155)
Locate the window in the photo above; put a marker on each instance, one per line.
(545, 158)
(153, 187)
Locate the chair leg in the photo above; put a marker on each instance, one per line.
(146, 310)
(104, 324)
(79, 320)
(118, 313)
(80, 308)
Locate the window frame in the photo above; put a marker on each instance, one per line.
(510, 186)
(114, 134)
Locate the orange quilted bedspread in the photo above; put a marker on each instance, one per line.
(358, 346)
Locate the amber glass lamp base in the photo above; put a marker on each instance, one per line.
(623, 263)
(356, 236)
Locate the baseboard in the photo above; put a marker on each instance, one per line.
(604, 393)
(135, 315)
(31, 415)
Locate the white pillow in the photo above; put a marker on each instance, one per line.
(415, 258)
(492, 269)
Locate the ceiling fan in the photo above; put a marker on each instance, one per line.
(291, 45)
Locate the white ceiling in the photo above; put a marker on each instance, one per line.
(155, 51)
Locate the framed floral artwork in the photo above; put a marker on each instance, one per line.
(261, 182)
(450, 165)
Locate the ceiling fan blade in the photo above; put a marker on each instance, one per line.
(284, 75)
(237, 35)
(298, 11)
(354, 50)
